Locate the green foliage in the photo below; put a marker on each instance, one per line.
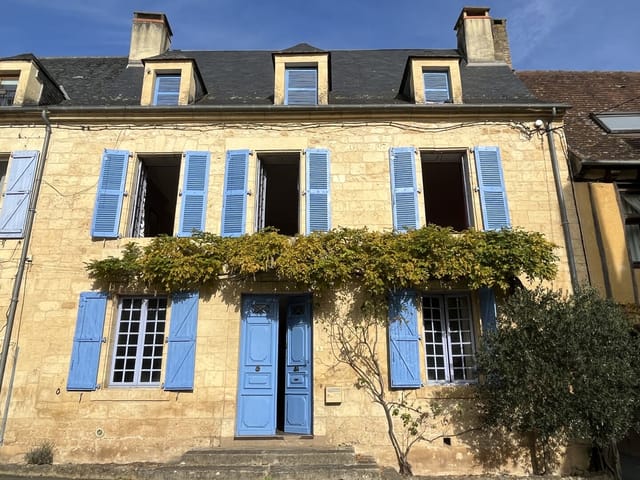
(377, 261)
(40, 455)
(561, 367)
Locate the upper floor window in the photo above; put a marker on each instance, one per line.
(278, 192)
(8, 87)
(436, 87)
(301, 86)
(448, 337)
(630, 204)
(445, 183)
(4, 164)
(624, 122)
(167, 89)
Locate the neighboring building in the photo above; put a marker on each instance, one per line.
(602, 137)
(164, 142)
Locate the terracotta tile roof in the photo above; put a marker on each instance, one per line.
(587, 93)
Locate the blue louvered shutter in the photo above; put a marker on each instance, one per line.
(404, 341)
(487, 308)
(317, 196)
(106, 214)
(87, 341)
(235, 193)
(493, 197)
(15, 205)
(181, 354)
(167, 90)
(404, 192)
(301, 86)
(194, 193)
(436, 87)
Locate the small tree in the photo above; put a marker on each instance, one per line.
(560, 368)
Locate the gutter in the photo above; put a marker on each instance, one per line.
(562, 204)
(17, 285)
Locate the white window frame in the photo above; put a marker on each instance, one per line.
(126, 350)
(441, 354)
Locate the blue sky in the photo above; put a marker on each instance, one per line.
(544, 34)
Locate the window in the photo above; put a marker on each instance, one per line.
(630, 205)
(278, 192)
(449, 339)
(137, 357)
(446, 189)
(16, 182)
(301, 86)
(8, 87)
(618, 122)
(436, 87)
(167, 89)
(138, 342)
(154, 208)
(4, 165)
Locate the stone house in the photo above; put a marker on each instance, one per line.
(163, 142)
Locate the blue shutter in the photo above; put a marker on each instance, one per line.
(106, 214)
(317, 196)
(181, 355)
(487, 309)
(493, 197)
(194, 193)
(167, 90)
(235, 193)
(403, 188)
(15, 205)
(87, 341)
(404, 341)
(436, 87)
(301, 86)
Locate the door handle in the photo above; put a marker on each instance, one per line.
(296, 368)
(257, 368)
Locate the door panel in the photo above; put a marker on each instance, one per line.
(298, 368)
(258, 367)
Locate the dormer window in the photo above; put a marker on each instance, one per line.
(436, 87)
(167, 89)
(8, 87)
(301, 86)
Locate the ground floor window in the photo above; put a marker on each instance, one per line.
(449, 338)
(137, 356)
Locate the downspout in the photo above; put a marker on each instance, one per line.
(562, 204)
(17, 284)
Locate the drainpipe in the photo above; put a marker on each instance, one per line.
(563, 207)
(17, 285)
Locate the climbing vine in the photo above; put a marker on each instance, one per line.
(377, 261)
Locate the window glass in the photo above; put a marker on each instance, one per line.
(449, 339)
(630, 205)
(8, 87)
(137, 357)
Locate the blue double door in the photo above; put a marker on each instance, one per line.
(275, 377)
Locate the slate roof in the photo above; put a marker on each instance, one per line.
(358, 77)
(587, 93)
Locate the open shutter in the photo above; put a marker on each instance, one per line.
(106, 214)
(403, 188)
(87, 341)
(181, 355)
(493, 197)
(317, 196)
(15, 205)
(436, 87)
(487, 309)
(194, 193)
(234, 204)
(404, 341)
(301, 86)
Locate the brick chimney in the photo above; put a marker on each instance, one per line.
(150, 36)
(482, 39)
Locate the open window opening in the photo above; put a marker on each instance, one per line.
(278, 192)
(446, 189)
(154, 206)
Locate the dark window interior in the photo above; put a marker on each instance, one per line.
(445, 189)
(156, 194)
(278, 195)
